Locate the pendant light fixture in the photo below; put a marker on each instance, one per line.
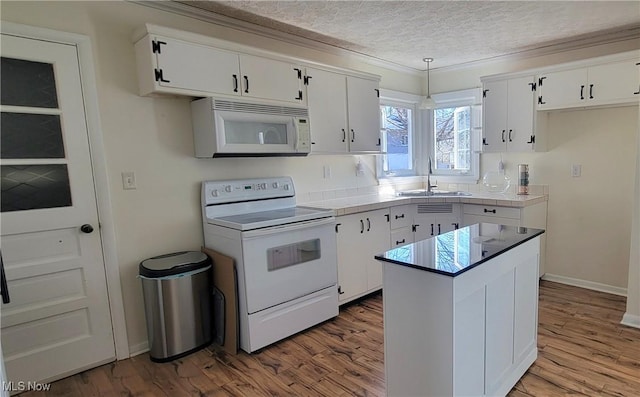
(428, 102)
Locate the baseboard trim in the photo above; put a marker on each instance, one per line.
(631, 320)
(576, 282)
(137, 349)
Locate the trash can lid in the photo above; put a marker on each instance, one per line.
(175, 263)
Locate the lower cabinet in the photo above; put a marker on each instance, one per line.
(360, 237)
(531, 216)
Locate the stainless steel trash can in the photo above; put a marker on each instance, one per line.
(177, 298)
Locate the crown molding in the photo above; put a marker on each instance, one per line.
(232, 23)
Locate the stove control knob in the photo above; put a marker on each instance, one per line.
(263, 186)
(227, 188)
(286, 186)
(275, 185)
(214, 192)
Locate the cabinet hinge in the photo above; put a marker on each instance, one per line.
(533, 86)
(540, 101)
(377, 92)
(532, 139)
(540, 81)
(159, 77)
(155, 46)
(484, 142)
(305, 80)
(299, 97)
(340, 291)
(299, 73)
(484, 93)
(337, 224)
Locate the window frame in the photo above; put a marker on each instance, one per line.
(469, 97)
(403, 99)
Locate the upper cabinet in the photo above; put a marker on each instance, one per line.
(509, 115)
(172, 66)
(604, 83)
(344, 112)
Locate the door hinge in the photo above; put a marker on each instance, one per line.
(155, 46)
(159, 77)
(377, 92)
(299, 73)
(540, 81)
(533, 86)
(484, 93)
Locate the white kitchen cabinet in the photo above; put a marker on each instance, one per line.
(167, 65)
(534, 216)
(509, 120)
(359, 238)
(172, 66)
(271, 79)
(601, 84)
(344, 112)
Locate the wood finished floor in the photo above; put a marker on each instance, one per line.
(583, 350)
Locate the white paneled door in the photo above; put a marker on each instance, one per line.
(58, 320)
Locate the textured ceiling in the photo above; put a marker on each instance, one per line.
(451, 32)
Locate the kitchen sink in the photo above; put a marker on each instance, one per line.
(433, 193)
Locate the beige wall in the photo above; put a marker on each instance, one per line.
(633, 292)
(589, 218)
(152, 136)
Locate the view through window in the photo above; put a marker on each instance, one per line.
(397, 139)
(452, 138)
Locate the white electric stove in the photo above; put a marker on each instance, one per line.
(285, 256)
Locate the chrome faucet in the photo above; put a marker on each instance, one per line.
(429, 185)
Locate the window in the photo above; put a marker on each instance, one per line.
(455, 130)
(398, 126)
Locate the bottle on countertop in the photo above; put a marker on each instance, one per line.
(523, 179)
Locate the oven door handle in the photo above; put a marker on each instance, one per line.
(288, 228)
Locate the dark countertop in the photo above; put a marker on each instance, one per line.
(455, 252)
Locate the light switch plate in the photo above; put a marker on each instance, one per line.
(129, 180)
(576, 170)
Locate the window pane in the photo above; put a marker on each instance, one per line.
(293, 254)
(27, 83)
(397, 137)
(453, 138)
(30, 136)
(29, 187)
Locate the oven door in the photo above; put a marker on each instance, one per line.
(282, 263)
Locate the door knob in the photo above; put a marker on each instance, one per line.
(86, 228)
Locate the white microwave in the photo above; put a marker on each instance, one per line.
(227, 128)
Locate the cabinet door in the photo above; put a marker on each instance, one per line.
(614, 82)
(327, 100)
(520, 114)
(363, 104)
(494, 105)
(195, 67)
(377, 239)
(447, 222)
(270, 79)
(499, 305)
(400, 237)
(352, 270)
(563, 89)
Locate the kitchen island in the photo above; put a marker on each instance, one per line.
(461, 311)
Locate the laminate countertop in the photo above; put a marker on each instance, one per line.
(361, 203)
(455, 252)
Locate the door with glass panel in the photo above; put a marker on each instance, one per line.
(58, 320)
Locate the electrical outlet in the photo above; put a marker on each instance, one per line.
(129, 180)
(576, 170)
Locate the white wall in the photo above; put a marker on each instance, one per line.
(632, 315)
(152, 136)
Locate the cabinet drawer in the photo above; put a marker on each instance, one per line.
(492, 210)
(401, 237)
(401, 216)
